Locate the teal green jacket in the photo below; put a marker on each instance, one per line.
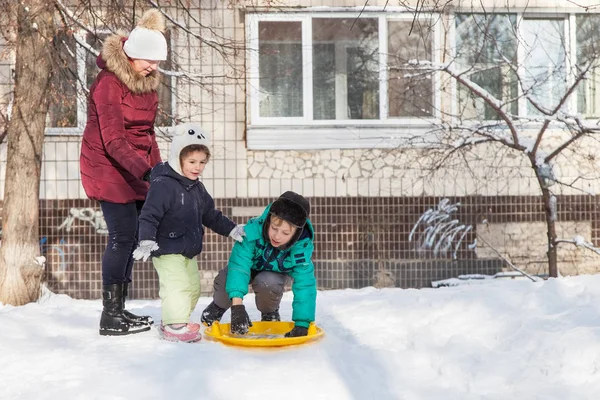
(256, 254)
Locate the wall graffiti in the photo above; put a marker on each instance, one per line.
(59, 256)
(438, 231)
(93, 217)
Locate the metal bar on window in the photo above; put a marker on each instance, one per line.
(252, 56)
(307, 68)
(571, 33)
(453, 84)
(80, 89)
(522, 102)
(435, 77)
(173, 84)
(383, 74)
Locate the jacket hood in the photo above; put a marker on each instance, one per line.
(185, 135)
(113, 59)
(163, 169)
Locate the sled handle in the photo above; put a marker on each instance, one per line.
(216, 329)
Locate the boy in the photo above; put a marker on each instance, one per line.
(278, 245)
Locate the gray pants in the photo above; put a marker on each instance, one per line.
(267, 286)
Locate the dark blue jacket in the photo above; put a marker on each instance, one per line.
(174, 212)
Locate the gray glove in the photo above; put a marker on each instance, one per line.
(238, 233)
(144, 250)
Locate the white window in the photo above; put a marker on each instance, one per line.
(67, 113)
(330, 80)
(587, 50)
(528, 62)
(337, 80)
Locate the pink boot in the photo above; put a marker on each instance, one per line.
(189, 333)
(193, 326)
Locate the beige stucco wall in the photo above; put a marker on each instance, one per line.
(525, 246)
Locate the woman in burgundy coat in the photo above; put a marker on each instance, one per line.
(117, 153)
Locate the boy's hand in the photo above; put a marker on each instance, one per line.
(144, 250)
(240, 321)
(297, 331)
(238, 233)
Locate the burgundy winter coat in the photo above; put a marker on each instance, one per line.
(119, 144)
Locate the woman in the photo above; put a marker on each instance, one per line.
(117, 153)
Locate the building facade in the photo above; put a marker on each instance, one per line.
(356, 107)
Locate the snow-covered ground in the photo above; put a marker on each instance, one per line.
(507, 340)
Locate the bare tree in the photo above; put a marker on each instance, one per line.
(47, 38)
(20, 274)
(518, 90)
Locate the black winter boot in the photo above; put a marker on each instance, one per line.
(144, 319)
(112, 321)
(212, 313)
(270, 316)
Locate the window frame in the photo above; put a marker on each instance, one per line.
(80, 59)
(280, 133)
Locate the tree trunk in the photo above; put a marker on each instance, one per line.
(20, 274)
(551, 215)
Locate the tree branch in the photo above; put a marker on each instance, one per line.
(491, 101)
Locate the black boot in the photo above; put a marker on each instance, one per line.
(270, 316)
(112, 321)
(212, 313)
(144, 319)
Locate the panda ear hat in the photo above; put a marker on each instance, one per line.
(183, 136)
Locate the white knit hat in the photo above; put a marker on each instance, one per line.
(146, 41)
(185, 135)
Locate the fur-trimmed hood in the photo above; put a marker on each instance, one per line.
(114, 59)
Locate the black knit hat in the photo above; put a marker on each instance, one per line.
(291, 207)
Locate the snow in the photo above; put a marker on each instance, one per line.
(507, 339)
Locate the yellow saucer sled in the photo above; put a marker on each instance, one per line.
(262, 334)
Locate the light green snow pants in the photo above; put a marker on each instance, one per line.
(179, 281)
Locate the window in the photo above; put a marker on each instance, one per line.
(486, 52)
(350, 81)
(588, 49)
(280, 68)
(77, 70)
(544, 76)
(409, 96)
(345, 68)
(63, 109)
(337, 78)
(527, 62)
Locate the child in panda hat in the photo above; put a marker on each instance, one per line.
(170, 229)
(278, 246)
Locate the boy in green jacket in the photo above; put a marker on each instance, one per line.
(278, 246)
